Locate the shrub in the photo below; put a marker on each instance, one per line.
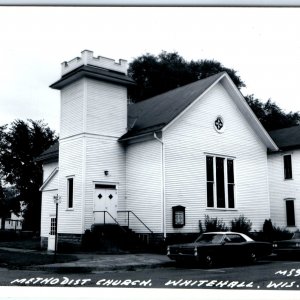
(214, 224)
(241, 224)
(268, 227)
(273, 233)
(281, 234)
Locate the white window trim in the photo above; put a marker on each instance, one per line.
(215, 207)
(67, 204)
(283, 155)
(51, 216)
(290, 199)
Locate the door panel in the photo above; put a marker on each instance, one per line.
(51, 237)
(105, 200)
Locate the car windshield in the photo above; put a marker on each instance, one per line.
(296, 235)
(210, 238)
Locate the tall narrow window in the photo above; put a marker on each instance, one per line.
(287, 160)
(70, 192)
(290, 213)
(210, 181)
(220, 182)
(230, 183)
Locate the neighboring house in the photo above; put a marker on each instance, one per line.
(166, 162)
(284, 178)
(12, 223)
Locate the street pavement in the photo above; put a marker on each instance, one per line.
(100, 262)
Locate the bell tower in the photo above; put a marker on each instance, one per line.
(93, 116)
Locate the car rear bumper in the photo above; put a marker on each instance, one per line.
(287, 251)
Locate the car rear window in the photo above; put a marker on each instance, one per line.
(210, 238)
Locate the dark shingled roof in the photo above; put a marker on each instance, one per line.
(155, 113)
(286, 138)
(50, 155)
(92, 72)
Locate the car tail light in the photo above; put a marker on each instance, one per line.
(168, 250)
(297, 244)
(275, 245)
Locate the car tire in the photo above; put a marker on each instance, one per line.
(252, 258)
(208, 261)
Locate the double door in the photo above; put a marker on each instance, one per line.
(105, 204)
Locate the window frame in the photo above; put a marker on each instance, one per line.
(70, 200)
(229, 205)
(290, 218)
(287, 167)
(53, 225)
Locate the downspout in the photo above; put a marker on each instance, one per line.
(163, 184)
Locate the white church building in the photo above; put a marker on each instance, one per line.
(160, 165)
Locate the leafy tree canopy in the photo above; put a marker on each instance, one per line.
(271, 115)
(20, 145)
(157, 74)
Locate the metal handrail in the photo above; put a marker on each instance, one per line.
(128, 213)
(106, 212)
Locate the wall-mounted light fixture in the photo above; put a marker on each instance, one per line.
(106, 172)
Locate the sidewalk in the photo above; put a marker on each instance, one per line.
(87, 262)
(109, 262)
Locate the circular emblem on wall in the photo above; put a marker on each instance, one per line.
(219, 124)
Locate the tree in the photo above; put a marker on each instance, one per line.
(20, 145)
(157, 74)
(271, 115)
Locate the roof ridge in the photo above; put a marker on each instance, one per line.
(217, 75)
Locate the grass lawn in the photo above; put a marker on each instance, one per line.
(13, 260)
(31, 244)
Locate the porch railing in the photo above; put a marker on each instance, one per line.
(128, 213)
(127, 219)
(104, 212)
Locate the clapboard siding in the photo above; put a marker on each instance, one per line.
(281, 189)
(186, 143)
(106, 108)
(48, 169)
(72, 109)
(103, 154)
(71, 162)
(144, 184)
(50, 190)
(48, 209)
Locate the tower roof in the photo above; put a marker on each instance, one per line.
(100, 68)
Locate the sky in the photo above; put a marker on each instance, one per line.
(261, 44)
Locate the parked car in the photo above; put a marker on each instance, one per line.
(288, 247)
(220, 246)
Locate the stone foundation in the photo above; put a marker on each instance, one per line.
(44, 243)
(154, 242)
(68, 242)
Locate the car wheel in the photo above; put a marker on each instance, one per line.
(252, 257)
(208, 261)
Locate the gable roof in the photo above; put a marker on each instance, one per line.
(156, 113)
(45, 183)
(50, 155)
(286, 138)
